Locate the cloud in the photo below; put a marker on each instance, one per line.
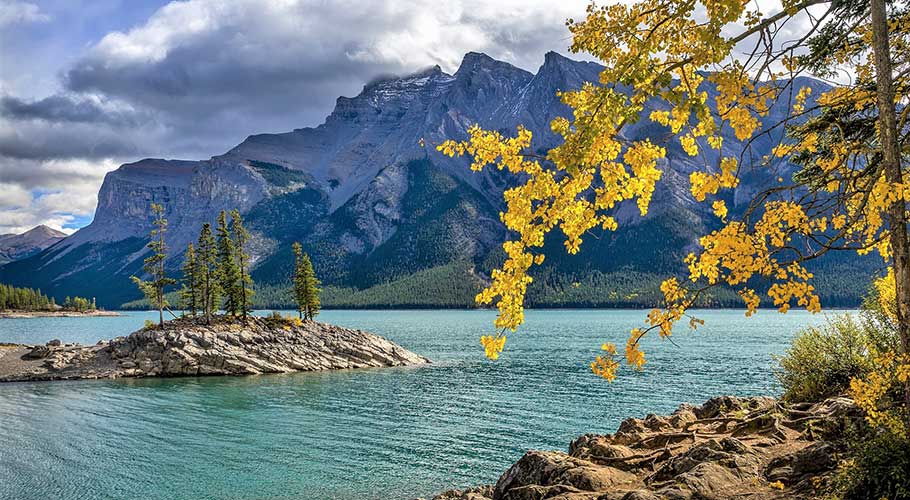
(68, 109)
(194, 78)
(13, 195)
(280, 65)
(13, 12)
(51, 192)
(62, 140)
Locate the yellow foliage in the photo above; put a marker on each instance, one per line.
(604, 365)
(660, 52)
(871, 393)
(493, 345)
(886, 291)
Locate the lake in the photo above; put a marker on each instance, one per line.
(362, 434)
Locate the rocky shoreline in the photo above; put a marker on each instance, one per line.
(55, 314)
(744, 448)
(189, 347)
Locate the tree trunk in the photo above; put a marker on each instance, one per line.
(160, 310)
(206, 297)
(891, 161)
(242, 283)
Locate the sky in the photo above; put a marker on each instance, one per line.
(87, 85)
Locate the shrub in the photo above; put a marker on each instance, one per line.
(880, 468)
(821, 361)
(276, 320)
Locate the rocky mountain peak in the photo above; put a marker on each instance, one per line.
(20, 246)
(476, 62)
(553, 58)
(568, 71)
(44, 231)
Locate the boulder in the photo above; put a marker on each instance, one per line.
(546, 473)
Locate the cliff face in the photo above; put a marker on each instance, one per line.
(367, 202)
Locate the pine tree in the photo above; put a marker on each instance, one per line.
(154, 265)
(311, 289)
(299, 280)
(189, 293)
(206, 267)
(245, 289)
(228, 272)
(27, 299)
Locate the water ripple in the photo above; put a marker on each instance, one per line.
(370, 434)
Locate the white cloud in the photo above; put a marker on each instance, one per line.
(51, 192)
(14, 196)
(14, 12)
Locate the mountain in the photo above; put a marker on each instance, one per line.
(381, 215)
(19, 246)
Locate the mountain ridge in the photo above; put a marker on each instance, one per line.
(370, 204)
(14, 246)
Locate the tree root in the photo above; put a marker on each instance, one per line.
(634, 461)
(711, 420)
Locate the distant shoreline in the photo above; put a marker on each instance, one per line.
(493, 309)
(54, 314)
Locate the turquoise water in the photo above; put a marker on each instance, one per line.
(368, 434)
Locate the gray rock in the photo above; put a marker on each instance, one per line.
(38, 352)
(683, 457)
(553, 472)
(53, 343)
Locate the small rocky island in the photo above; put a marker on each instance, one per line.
(748, 448)
(190, 347)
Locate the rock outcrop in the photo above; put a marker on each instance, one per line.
(752, 448)
(188, 347)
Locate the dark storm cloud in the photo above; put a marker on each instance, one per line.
(278, 67)
(64, 146)
(60, 108)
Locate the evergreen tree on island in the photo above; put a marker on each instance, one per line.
(245, 288)
(207, 273)
(228, 271)
(153, 289)
(189, 293)
(306, 285)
